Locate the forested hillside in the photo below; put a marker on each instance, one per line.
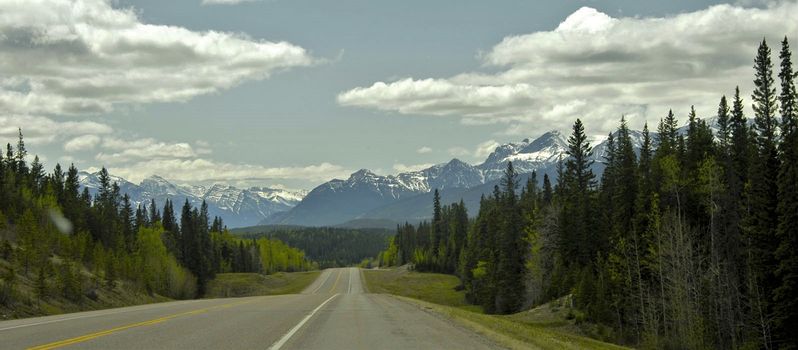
(691, 244)
(71, 243)
(327, 246)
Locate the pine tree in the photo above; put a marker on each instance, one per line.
(127, 221)
(667, 136)
(512, 248)
(786, 294)
(578, 244)
(547, 191)
(740, 145)
(763, 197)
(155, 215)
(437, 225)
(19, 156)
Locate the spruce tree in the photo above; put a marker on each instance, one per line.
(21, 168)
(578, 244)
(547, 191)
(437, 225)
(763, 197)
(512, 247)
(128, 224)
(155, 215)
(786, 294)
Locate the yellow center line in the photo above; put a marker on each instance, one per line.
(336, 281)
(83, 338)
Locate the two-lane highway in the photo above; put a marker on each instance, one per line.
(334, 312)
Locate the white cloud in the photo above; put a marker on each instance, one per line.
(596, 67)
(85, 56)
(402, 168)
(124, 151)
(424, 150)
(486, 148)
(82, 143)
(225, 2)
(459, 151)
(42, 130)
(197, 169)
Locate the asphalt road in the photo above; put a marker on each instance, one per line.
(334, 312)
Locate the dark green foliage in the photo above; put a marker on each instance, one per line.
(108, 242)
(577, 242)
(761, 223)
(786, 294)
(488, 255)
(328, 246)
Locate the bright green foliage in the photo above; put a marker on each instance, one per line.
(69, 243)
(328, 246)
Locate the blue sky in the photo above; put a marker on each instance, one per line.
(294, 93)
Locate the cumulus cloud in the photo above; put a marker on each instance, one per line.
(424, 150)
(597, 67)
(82, 143)
(85, 56)
(42, 130)
(402, 168)
(486, 148)
(123, 151)
(198, 169)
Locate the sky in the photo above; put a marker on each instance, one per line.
(294, 93)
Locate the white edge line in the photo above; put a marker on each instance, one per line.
(287, 336)
(133, 309)
(322, 283)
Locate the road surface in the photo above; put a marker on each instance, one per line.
(334, 312)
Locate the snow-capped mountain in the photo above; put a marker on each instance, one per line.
(406, 196)
(237, 207)
(527, 156)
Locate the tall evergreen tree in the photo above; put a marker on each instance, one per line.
(547, 191)
(576, 239)
(512, 247)
(155, 215)
(21, 168)
(763, 197)
(127, 222)
(786, 294)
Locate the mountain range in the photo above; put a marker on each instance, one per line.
(237, 207)
(366, 198)
(388, 200)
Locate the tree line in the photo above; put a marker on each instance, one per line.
(327, 246)
(689, 242)
(72, 243)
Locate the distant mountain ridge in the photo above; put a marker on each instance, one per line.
(368, 197)
(237, 207)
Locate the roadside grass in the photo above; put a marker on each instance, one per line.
(550, 326)
(23, 300)
(432, 287)
(251, 284)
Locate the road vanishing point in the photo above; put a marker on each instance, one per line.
(334, 312)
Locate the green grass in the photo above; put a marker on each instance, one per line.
(545, 327)
(24, 301)
(252, 284)
(433, 287)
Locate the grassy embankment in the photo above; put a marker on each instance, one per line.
(550, 326)
(23, 299)
(251, 284)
